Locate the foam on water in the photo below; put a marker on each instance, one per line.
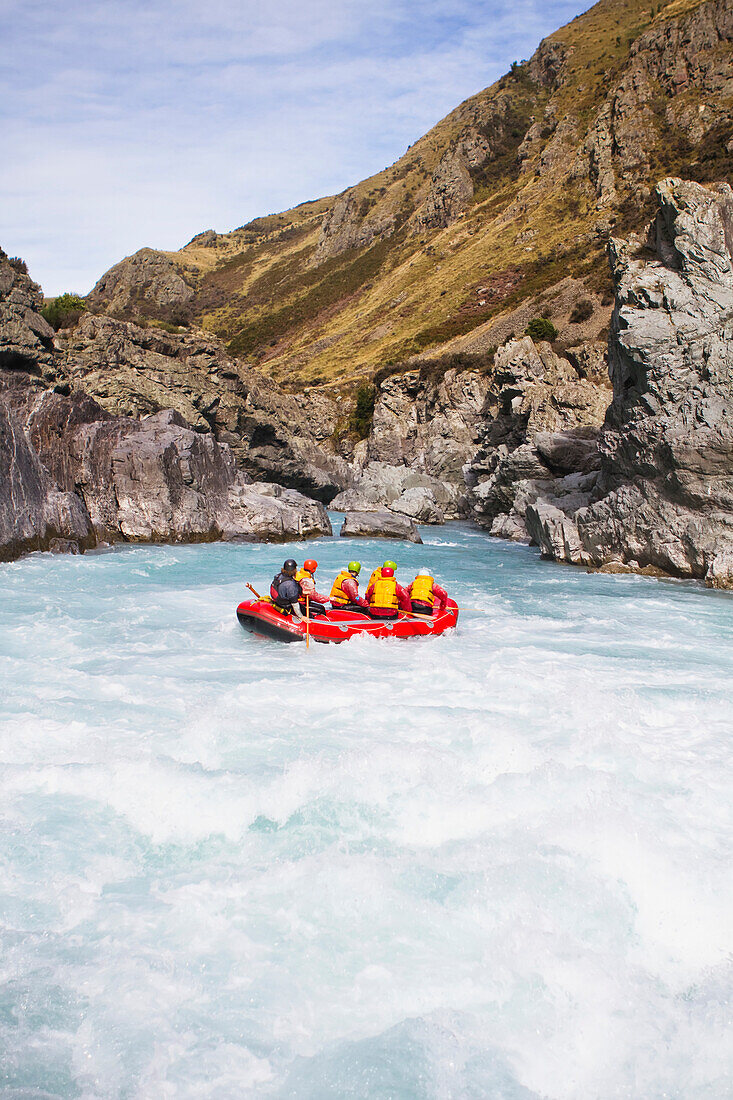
(492, 864)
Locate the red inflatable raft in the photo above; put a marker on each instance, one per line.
(260, 617)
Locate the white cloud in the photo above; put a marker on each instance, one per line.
(142, 123)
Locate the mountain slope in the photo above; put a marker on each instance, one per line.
(500, 212)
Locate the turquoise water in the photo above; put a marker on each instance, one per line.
(492, 864)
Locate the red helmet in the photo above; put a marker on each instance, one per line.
(387, 572)
(310, 565)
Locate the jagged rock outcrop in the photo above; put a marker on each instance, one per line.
(428, 420)
(687, 55)
(451, 189)
(146, 282)
(158, 480)
(134, 371)
(26, 339)
(544, 413)
(664, 494)
(348, 226)
(379, 525)
(72, 476)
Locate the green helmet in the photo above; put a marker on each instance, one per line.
(389, 565)
(354, 567)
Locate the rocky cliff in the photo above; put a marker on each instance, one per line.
(73, 474)
(663, 496)
(135, 371)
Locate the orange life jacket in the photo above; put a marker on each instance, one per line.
(422, 590)
(385, 593)
(338, 596)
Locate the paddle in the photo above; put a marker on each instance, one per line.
(307, 622)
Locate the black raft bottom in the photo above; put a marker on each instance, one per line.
(267, 629)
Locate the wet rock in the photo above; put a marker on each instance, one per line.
(34, 514)
(379, 525)
(720, 571)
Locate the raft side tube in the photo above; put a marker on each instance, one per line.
(257, 617)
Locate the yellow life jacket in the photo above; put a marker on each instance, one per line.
(385, 593)
(422, 590)
(338, 596)
(375, 576)
(302, 574)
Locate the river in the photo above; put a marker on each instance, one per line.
(494, 864)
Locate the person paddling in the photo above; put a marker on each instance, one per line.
(386, 597)
(285, 591)
(345, 589)
(427, 597)
(307, 581)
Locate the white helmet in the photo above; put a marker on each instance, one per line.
(424, 573)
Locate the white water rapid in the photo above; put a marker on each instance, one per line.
(494, 864)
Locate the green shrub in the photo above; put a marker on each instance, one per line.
(64, 311)
(360, 421)
(540, 328)
(582, 311)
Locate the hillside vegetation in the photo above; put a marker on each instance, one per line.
(498, 214)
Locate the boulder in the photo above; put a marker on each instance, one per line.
(411, 492)
(379, 525)
(419, 504)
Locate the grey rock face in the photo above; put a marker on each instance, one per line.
(400, 488)
(146, 279)
(428, 423)
(664, 497)
(380, 525)
(134, 371)
(451, 189)
(34, 515)
(26, 339)
(344, 228)
(419, 504)
(100, 478)
(544, 413)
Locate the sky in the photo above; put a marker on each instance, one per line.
(144, 122)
